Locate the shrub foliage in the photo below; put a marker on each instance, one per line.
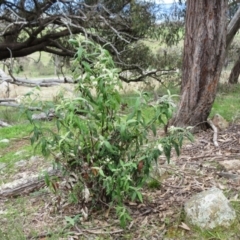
(110, 152)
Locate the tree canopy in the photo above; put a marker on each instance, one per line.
(28, 26)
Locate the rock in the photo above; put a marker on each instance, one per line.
(21, 163)
(209, 209)
(44, 116)
(229, 175)
(220, 122)
(4, 141)
(34, 159)
(230, 164)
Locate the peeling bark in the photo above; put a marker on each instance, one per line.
(204, 52)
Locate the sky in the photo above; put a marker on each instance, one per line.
(165, 1)
(162, 1)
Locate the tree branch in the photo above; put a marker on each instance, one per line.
(233, 27)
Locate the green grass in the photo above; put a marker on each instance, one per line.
(26, 151)
(12, 115)
(19, 147)
(227, 102)
(16, 131)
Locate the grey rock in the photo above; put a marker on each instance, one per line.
(34, 159)
(232, 164)
(21, 163)
(209, 209)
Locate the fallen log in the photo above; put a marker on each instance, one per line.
(25, 185)
(7, 104)
(4, 124)
(39, 82)
(7, 100)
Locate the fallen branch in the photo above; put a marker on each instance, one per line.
(25, 185)
(4, 124)
(7, 100)
(19, 106)
(101, 232)
(215, 133)
(31, 83)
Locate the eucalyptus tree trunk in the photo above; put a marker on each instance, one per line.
(204, 52)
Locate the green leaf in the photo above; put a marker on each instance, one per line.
(101, 172)
(108, 146)
(176, 146)
(131, 115)
(130, 121)
(154, 130)
(134, 195)
(73, 42)
(167, 151)
(79, 53)
(87, 66)
(139, 196)
(70, 220)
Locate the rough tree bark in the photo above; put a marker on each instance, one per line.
(204, 52)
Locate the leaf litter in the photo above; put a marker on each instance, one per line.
(198, 168)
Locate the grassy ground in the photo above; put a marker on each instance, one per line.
(227, 102)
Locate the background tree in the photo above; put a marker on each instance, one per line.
(28, 26)
(233, 28)
(204, 52)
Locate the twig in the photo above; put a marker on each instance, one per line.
(102, 232)
(215, 132)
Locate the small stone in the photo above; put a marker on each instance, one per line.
(34, 159)
(220, 122)
(21, 163)
(209, 209)
(4, 141)
(233, 164)
(50, 169)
